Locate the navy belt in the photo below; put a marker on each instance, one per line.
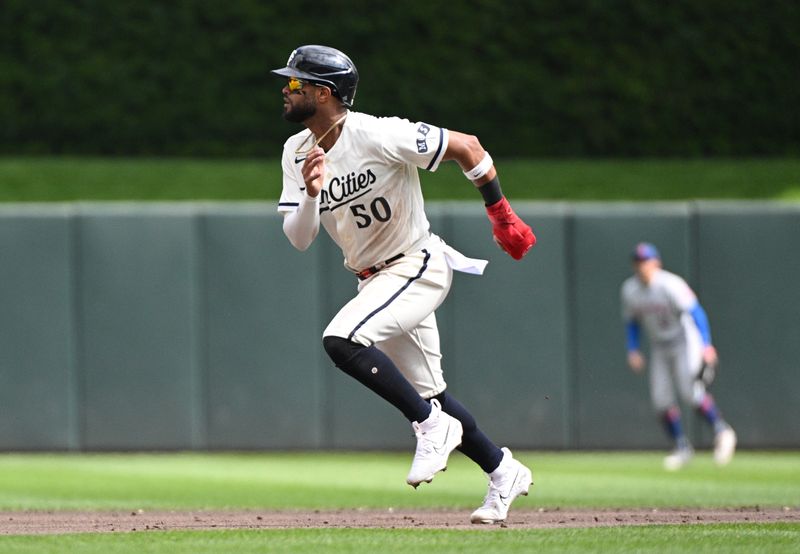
(370, 271)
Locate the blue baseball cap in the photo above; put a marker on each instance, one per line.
(645, 251)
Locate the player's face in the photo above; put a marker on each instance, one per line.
(645, 269)
(299, 100)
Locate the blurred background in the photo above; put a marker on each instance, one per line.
(177, 316)
(532, 78)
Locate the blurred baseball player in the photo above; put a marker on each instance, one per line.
(357, 175)
(680, 344)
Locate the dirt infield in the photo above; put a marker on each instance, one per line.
(19, 523)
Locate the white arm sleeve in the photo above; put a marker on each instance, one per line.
(302, 225)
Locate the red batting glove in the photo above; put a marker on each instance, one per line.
(511, 233)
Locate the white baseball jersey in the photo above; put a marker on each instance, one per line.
(371, 201)
(661, 308)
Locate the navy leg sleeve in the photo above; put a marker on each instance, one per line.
(375, 370)
(474, 444)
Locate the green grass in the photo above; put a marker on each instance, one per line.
(350, 480)
(724, 539)
(353, 480)
(51, 179)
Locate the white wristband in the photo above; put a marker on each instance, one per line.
(481, 169)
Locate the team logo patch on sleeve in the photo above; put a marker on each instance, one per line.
(422, 143)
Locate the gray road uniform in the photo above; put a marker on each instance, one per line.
(664, 310)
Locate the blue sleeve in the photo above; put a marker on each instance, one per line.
(701, 320)
(632, 334)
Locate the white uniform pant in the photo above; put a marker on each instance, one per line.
(394, 310)
(672, 366)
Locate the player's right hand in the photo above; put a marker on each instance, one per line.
(314, 171)
(511, 233)
(636, 361)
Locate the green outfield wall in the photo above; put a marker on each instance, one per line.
(197, 326)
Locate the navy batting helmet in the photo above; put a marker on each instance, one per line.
(325, 66)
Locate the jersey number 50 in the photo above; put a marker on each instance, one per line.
(379, 208)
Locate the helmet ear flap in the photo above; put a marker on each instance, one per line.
(325, 66)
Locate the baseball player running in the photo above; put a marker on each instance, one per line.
(357, 176)
(680, 344)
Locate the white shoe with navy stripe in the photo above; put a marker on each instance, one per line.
(437, 437)
(510, 480)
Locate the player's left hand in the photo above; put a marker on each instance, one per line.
(710, 355)
(512, 234)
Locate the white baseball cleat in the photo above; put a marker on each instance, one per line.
(437, 437)
(506, 483)
(724, 446)
(678, 458)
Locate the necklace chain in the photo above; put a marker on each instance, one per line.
(316, 142)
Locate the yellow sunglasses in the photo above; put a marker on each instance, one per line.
(296, 84)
